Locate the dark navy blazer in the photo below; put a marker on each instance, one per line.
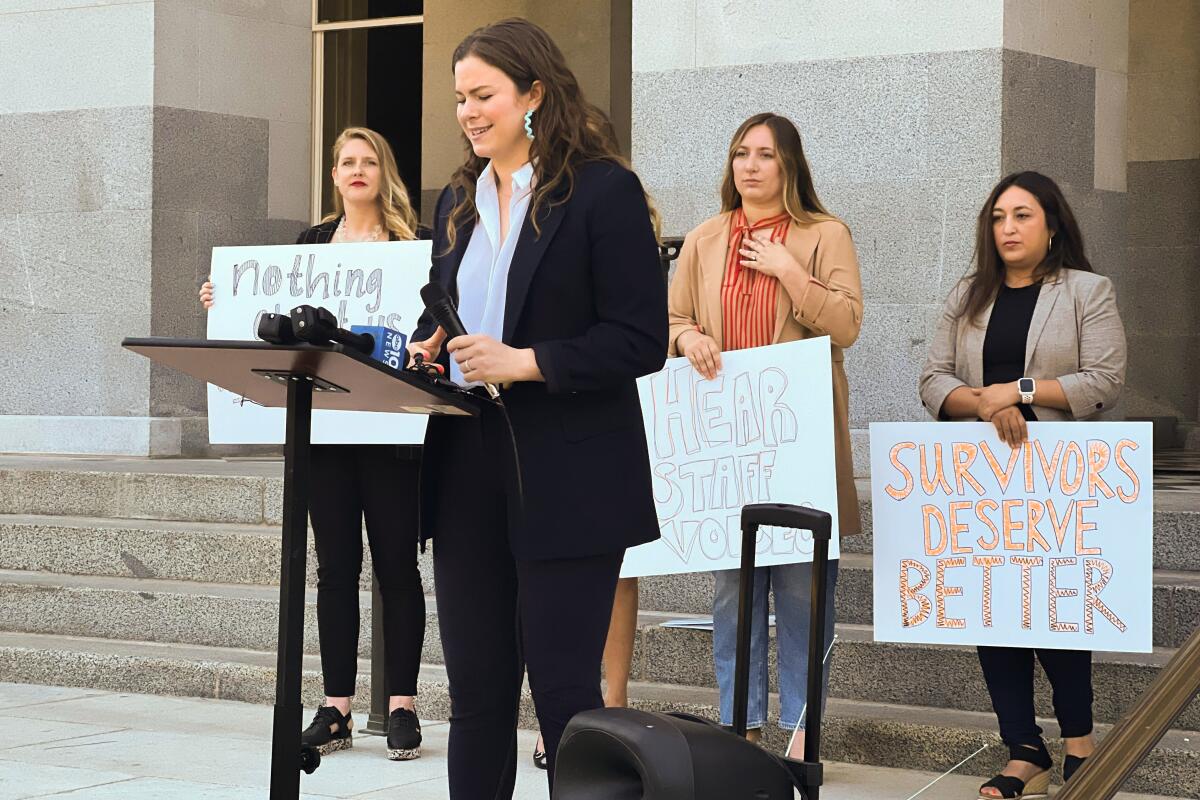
(587, 295)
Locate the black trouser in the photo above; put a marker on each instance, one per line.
(1008, 672)
(380, 482)
(499, 616)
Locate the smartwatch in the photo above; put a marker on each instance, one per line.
(1026, 387)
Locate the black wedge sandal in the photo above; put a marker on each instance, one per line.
(329, 731)
(1071, 765)
(1012, 788)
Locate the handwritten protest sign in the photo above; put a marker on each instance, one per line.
(1045, 545)
(762, 431)
(374, 283)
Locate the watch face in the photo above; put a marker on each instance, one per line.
(1025, 385)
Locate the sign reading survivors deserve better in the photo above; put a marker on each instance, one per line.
(1045, 545)
(761, 431)
(375, 283)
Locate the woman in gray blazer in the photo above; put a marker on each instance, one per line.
(1031, 334)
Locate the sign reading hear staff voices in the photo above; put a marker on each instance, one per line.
(1046, 545)
(376, 283)
(761, 431)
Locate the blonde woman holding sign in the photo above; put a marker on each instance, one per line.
(774, 266)
(1031, 334)
(376, 481)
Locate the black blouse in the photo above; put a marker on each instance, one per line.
(1007, 332)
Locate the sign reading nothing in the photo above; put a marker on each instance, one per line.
(369, 283)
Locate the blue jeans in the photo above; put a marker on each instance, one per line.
(793, 595)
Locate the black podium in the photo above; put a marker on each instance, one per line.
(300, 377)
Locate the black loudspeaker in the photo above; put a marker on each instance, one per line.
(626, 754)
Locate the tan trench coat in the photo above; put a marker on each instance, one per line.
(831, 306)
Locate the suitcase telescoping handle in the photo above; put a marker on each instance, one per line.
(820, 523)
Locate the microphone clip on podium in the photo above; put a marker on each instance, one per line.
(300, 377)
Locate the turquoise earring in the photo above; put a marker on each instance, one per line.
(529, 124)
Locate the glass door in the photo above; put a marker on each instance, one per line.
(367, 71)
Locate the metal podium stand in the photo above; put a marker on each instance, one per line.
(299, 377)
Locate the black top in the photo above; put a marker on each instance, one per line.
(323, 233)
(1004, 342)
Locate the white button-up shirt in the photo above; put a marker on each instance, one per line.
(483, 273)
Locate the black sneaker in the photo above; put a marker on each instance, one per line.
(329, 731)
(404, 735)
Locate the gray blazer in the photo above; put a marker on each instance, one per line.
(1075, 336)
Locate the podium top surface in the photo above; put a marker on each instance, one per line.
(345, 380)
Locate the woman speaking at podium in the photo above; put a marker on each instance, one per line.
(349, 481)
(544, 237)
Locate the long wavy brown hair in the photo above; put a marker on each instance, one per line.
(399, 218)
(800, 199)
(569, 130)
(1066, 243)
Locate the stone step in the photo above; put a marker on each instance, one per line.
(250, 492)
(249, 554)
(945, 676)
(208, 490)
(205, 552)
(907, 736)
(246, 617)
(185, 612)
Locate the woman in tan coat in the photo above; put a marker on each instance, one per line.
(774, 266)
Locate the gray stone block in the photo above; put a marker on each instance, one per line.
(197, 552)
(885, 363)
(105, 380)
(914, 238)
(284, 231)
(210, 162)
(912, 117)
(213, 620)
(690, 593)
(1185, 616)
(963, 113)
(212, 498)
(1165, 304)
(272, 507)
(1162, 203)
(1103, 219)
(1048, 118)
(101, 158)
(1161, 378)
(56, 667)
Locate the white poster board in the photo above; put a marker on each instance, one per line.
(376, 283)
(762, 431)
(1046, 545)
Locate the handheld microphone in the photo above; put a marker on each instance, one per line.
(318, 326)
(441, 308)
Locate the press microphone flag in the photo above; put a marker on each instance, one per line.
(390, 346)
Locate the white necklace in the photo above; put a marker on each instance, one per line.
(340, 234)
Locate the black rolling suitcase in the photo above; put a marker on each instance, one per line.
(626, 754)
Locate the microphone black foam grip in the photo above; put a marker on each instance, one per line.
(441, 308)
(276, 329)
(318, 325)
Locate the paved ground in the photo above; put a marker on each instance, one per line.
(80, 743)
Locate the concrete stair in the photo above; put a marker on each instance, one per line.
(158, 577)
